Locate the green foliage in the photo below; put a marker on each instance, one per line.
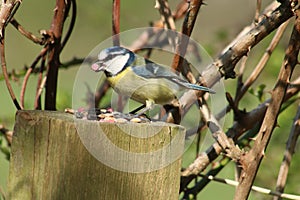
(259, 92)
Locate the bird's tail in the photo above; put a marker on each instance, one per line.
(199, 87)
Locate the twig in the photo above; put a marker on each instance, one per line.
(23, 88)
(27, 34)
(242, 89)
(249, 120)
(4, 71)
(99, 94)
(268, 11)
(257, 11)
(216, 167)
(166, 14)
(40, 85)
(263, 61)
(7, 11)
(29, 71)
(187, 28)
(241, 73)
(180, 10)
(227, 61)
(179, 63)
(72, 24)
(254, 188)
(116, 23)
(66, 65)
(145, 37)
(224, 65)
(227, 144)
(39, 91)
(289, 151)
(250, 162)
(167, 19)
(8, 134)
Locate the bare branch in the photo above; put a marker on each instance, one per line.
(254, 188)
(242, 88)
(257, 10)
(289, 151)
(263, 61)
(145, 37)
(187, 28)
(116, 22)
(227, 144)
(166, 18)
(251, 161)
(224, 65)
(72, 24)
(40, 84)
(6, 13)
(247, 122)
(8, 134)
(29, 71)
(166, 14)
(60, 12)
(27, 34)
(227, 61)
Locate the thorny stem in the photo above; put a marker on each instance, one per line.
(251, 161)
(289, 151)
(248, 122)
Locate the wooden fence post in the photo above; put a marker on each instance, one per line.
(55, 156)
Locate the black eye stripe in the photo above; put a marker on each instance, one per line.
(112, 55)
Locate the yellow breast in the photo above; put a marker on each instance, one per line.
(140, 89)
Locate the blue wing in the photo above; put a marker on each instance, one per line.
(153, 70)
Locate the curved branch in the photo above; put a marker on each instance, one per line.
(29, 71)
(248, 121)
(251, 161)
(224, 65)
(6, 13)
(72, 24)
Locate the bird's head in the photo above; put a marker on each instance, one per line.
(113, 60)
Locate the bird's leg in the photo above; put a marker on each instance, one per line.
(137, 109)
(149, 106)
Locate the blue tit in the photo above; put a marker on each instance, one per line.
(141, 79)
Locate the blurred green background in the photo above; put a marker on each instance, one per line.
(217, 24)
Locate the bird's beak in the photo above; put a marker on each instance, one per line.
(98, 66)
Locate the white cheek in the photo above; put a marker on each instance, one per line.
(102, 55)
(117, 64)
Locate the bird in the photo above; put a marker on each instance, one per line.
(141, 79)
